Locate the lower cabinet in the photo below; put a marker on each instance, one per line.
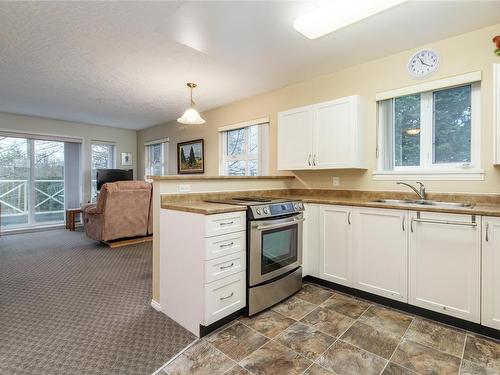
(335, 243)
(310, 241)
(427, 259)
(490, 305)
(380, 252)
(445, 263)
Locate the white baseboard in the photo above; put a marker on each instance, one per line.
(155, 305)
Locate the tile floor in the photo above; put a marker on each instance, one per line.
(322, 332)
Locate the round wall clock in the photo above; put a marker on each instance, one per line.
(423, 63)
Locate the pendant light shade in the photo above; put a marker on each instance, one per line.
(191, 115)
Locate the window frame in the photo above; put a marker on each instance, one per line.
(148, 168)
(111, 165)
(261, 156)
(428, 170)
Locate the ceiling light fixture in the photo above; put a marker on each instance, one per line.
(191, 115)
(337, 14)
(412, 131)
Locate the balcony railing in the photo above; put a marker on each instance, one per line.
(48, 204)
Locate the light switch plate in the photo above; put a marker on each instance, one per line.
(336, 181)
(184, 188)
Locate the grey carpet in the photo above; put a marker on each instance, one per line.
(69, 305)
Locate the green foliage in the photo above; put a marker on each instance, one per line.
(452, 129)
(192, 157)
(406, 116)
(183, 156)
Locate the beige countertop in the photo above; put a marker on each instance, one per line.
(483, 205)
(204, 208)
(479, 209)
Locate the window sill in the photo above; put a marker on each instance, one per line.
(431, 175)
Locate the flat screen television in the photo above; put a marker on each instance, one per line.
(113, 175)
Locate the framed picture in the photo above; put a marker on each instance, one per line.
(126, 158)
(190, 157)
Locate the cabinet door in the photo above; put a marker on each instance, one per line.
(310, 241)
(490, 311)
(334, 134)
(295, 138)
(335, 232)
(380, 263)
(444, 264)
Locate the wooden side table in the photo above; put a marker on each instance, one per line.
(71, 218)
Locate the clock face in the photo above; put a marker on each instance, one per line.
(423, 63)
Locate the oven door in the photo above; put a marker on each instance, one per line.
(275, 247)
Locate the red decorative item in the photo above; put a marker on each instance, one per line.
(496, 40)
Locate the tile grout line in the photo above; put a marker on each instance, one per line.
(313, 362)
(175, 357)
(463, 353)
(397, 346)
(224, 354)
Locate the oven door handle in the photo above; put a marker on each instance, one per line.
(275, 226)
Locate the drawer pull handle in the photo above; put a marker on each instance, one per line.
(225, 267)
(226, 297)
(227, 244)
(226, 223)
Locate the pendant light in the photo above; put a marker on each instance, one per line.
(191, 115)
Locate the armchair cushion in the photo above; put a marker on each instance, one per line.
(122, 210)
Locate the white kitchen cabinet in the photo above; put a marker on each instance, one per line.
(338, 134)
(326, 135)
(445, 263)
(295, 138)
(490, 305)
(310, 241)
(380, 252)
(202, 266)
(496, 112)
(335, 237)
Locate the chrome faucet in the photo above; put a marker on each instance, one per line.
(420, 192)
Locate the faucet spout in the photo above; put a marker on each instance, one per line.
(419, 191)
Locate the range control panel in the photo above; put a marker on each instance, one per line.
(275, 209)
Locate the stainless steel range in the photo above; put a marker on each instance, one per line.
(274, 243)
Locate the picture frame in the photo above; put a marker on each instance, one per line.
(191, 157)
(126, 158)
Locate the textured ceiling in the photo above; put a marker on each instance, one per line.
(125, 64)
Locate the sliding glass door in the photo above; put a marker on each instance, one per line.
(14, 176)
(48, 182)
(32, 181)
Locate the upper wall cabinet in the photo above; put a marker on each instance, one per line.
(496, 111)
(326, 135)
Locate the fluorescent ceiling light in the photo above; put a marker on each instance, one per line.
(337, 14)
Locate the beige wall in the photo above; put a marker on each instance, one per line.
(465, 53)
(125, 140)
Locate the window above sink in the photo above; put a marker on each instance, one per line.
(430, 131)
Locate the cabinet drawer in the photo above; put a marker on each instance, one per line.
(216, 225)
(219, 268)
(226, 244)
(224, 297)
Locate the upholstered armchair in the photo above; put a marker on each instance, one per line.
(122, 210)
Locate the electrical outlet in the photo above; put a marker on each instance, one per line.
(184, 188)
(336, 181)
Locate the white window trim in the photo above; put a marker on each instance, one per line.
(113, 161)
(263, 149)
(429, 171)
(164, 166)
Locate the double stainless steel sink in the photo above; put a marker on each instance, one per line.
(425, 202)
